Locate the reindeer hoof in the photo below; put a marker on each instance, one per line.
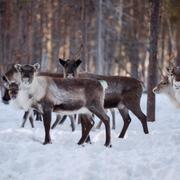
(108, 145)
(88, 140)
(47, 142)
(83, 145)
(120, 136)
(80, 142)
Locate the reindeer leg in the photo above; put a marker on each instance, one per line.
(25, 116)
(47, 124)
(88, 139)
(58, 119)
(99, 125)
(83, 124)
(99, 112)
(136, 109)
(79, 119)
(38, 116)
(113, 118)
(72, 122)
(63, 119)
(86, 127)
(142, 117)
(31, 121)
(126, 118)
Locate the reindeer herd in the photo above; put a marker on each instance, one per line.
(83, 94)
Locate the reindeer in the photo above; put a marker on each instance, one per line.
(68, 72)
(176, 82)
(13, 75)
(64, 96)
(166, 87)
(6, 97)
(123, 93)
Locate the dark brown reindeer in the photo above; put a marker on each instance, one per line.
(123, 93)
(65, 96)
(69, 71)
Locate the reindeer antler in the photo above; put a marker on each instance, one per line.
(170, 63)
(160, 70)
(171, 57)
(77, 55)
(6, 78)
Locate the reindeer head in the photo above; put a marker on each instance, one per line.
(176, 77)
(163, 86)
(11, 75)
(27, 72)
(9, 90)
(13, 90)
(70, 67)
(5, 97)
(4, 89)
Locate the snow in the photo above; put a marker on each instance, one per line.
(137, 157)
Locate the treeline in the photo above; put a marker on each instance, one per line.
(110, 36)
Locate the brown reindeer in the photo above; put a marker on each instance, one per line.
(69, 72)
(64, 96)
(123, 93)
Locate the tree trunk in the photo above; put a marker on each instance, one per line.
(178, 44)
(100, 42)
(152, 69)
(55, 33)
(84, 19)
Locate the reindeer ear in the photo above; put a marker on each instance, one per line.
(36, 66)
(62, 62)
(168, 69)
(78, 62)
(18, 67)
(3, 77)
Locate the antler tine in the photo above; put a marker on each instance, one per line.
(6, 78)
(77, 55)
(160, 70)
(169, 60)
(71, 55)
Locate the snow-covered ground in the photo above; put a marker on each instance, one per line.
(137, 157)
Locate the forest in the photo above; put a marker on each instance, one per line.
(112, 37)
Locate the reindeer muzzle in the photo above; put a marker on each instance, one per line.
(26, 81)
(155, 90)
(176, 84)
(70, 76)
